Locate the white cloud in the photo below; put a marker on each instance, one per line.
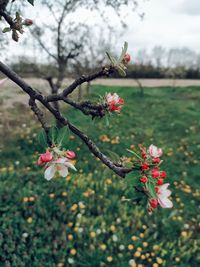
(167, 23)
(189, 7)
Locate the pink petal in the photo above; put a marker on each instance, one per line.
(63, 171)
(50, 172)
(165, 203)
(70, 165)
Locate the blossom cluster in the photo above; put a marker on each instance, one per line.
(56, 160)
(152, 178)
(114, 102)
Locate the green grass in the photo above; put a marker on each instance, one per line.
(37, 232)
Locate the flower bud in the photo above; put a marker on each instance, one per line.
(70, 154)
(143, 179)
(45, 157)
(156, 160)
(145, 166)
(159, 182)
(28, 22)
(153, 203)
(127, 58)
(163, 174)
(155, 173)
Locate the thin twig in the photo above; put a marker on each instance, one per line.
(36, 95)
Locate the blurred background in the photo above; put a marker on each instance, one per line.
(92, 217)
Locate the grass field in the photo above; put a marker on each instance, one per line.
(82, 220)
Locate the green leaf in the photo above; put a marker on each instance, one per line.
(134, 153)
(132, 179)
(124, 50)
(121, 71)
(112, 59)
(53, 134)
(7, 29)
(42, 139)
(62, 135)
(151, 189)
(31, 2)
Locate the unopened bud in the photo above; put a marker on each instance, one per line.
(28, 22)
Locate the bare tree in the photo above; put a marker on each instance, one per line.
(72, 39)
(158, 54)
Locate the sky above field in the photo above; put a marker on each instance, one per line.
(169, 23)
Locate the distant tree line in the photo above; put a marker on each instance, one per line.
(159, 63)
(137, 70)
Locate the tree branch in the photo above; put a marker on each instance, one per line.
(106, 71)
(116, 167)
(41, 118)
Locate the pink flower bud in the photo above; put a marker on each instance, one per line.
(145, 166)
(156, 160)
(143, 179)
(39, 162)
(159, 182)
(155, 173)
(28, 22)
(153, 203)
(163, 174)
(70, 154)
(127, 58)
(45, 157)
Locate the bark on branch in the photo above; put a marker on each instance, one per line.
(45, 101)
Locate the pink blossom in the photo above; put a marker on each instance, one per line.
(61, 165)
(114, 102)
(155, 152)
(70, 154)
(163, 194)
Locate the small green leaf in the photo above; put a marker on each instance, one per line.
(124, 50)
(134, 153)
(131, 179)
(31, 2)
(62, 135)
(151, 189)
(112, 59)
(7, 29)
(121, 71)
(53, 134)
(42, 139)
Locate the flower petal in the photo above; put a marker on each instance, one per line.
(60, 160)
(163, 191)
(63, 171)
(50, 172)
(165, 202)
(70, 165)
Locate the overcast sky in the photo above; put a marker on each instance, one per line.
(169, 23)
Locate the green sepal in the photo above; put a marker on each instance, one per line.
(7, 29)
